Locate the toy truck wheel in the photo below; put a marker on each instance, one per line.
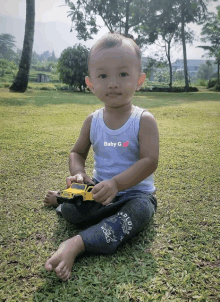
(79, 200)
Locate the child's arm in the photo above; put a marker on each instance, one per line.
(80, 152)
(144, 167)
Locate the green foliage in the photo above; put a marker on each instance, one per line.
(162, 75)
(17, 57)
(217, 87)
(7, 67)
(42, 86)
(212, 82)
(206, 70)
(202, 82)
(5, 84)
(72, 66)
(48, 66)
(211, 33)
(218, 9)
(7, 43)
(151, 64)
(178, 75)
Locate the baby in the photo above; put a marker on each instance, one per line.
(125, 142)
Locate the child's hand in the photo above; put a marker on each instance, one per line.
(79, 178)
(105, 191)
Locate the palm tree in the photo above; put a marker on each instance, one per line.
(211, 33)
(212, 51)
(21, 81)
(190, 11)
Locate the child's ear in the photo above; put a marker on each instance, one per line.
(89, 83)
(141, 81)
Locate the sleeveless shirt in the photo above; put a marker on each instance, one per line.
(117, 150)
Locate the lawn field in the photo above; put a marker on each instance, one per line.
(176, 258)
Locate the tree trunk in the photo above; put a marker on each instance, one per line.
(170, 66)
(184, 51)
(127, 18)
(21, 80)
(218, 74)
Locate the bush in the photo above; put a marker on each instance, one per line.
(5, 85)
(217, 87)
(42, 86)
(202, 82)
(212, 83)
(49, 88)
(62, 87)
(167, 89)
(72, 66)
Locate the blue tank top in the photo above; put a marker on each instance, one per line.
(116, 150)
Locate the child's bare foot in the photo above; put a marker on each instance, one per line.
(51, 199)
(62, 260)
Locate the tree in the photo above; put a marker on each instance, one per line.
(140, 16)
(35, 57)
(152, 64)
(211, 33)
(17, 56)
(165, 25)
(189, 11)
(182, 13)
(218, 9)
(21, 80)
(72, 66)
(4, 65)
(113, 13)
(45, 55)
(7, 43)
(206, 70)
(53, 57)
(7, 67)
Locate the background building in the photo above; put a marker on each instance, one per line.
(178, 66)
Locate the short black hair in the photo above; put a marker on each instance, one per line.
(113, 39)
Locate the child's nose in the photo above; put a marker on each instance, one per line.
(113, 84)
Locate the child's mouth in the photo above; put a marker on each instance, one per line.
(113, 94)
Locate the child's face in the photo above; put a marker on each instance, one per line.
(107, 76)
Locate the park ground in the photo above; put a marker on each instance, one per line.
(176, 258)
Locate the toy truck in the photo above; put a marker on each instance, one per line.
(76, 192)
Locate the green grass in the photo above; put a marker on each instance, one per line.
(175, 259)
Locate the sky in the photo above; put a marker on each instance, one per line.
(57, 10)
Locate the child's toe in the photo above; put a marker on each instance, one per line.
(68, 276)
(60, 268)
(65, 276)
(48, 267)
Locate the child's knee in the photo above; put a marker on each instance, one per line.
(69, 213)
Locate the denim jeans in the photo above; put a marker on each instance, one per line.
(107, 227)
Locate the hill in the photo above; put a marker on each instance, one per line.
(48, 36)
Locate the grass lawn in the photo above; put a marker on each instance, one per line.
(177, 258)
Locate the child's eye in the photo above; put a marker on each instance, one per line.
(120, 73)
(102, 75)
(124, 73)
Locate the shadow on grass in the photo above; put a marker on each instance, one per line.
(101, 277)
(141, 99)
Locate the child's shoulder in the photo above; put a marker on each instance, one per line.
(147, 121)
(146, 114)
(88, 120)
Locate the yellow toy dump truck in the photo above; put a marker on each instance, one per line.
(76, 192)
